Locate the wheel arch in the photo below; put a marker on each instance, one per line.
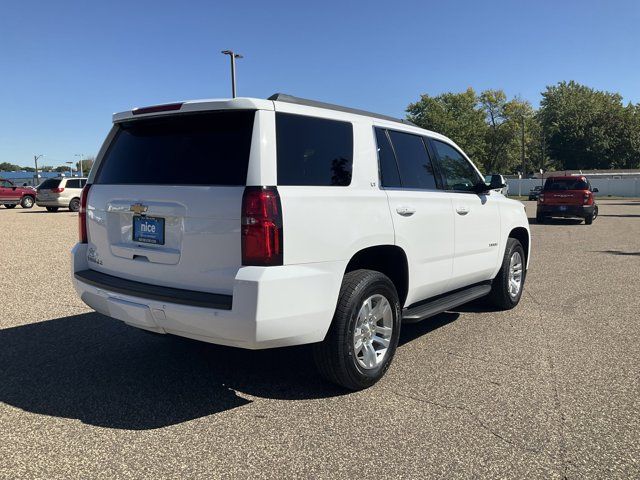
(390, 260)
(522, 235)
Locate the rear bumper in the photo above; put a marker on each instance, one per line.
(270, 306)
(52, 203)
(568, 211)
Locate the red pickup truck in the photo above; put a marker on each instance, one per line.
(12, 195)
(567, 197)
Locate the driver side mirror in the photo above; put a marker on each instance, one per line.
(496, 182)
(595, 190)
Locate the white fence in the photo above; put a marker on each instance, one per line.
(619, 187)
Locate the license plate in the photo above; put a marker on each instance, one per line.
(148, 230)
(563, 208)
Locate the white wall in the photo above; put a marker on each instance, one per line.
(619, 187)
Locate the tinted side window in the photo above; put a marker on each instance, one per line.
(458, 173)
(389, 175)
(416, 169)
(5, 183)
(73, 184)
(313, 151)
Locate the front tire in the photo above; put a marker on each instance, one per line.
(506, 289)
(27, 202)
(364, 333)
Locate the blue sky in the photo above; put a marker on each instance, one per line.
(65, 67)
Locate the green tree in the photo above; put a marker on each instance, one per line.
(588, 129)
(87, 163)
(503, 139)
(9, 167)
(456, 115)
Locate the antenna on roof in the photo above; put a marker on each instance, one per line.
(232, 56)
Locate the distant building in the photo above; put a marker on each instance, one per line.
(615, 173)
(20, 178)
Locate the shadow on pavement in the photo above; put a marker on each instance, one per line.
(46, 211)
(622, 215)
(411, 331)
(105, 373)
(556, 221)
(618, 252)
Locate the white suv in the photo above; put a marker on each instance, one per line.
(266, 223)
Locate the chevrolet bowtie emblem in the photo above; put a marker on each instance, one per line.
(138, 208)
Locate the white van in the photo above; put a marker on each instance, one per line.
(266, 223)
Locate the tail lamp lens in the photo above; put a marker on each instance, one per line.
(262, 240)
(82, 215)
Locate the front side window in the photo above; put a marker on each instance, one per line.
(458, 173)
(313, 151)
(416, 169)
(73, 183)
(5, 184)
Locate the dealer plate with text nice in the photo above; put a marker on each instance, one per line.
(148, 230)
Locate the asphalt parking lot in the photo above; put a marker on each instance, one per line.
(550, 389)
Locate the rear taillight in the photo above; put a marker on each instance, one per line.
(82, 215)
(541, 198)
(57, 190)
(588, 199)
(261, 227)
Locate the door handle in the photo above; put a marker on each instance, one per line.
(406, 211)
(462, 210)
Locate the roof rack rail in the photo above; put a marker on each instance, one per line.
(283, 97)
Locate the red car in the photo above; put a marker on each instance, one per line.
(12, 195)
(567, 197)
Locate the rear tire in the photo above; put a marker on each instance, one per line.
(52, 209)
(27, 201)
(74, 205)
(503, 294)
(589, 220)
(9, 205)
(539, 218)
(353, 354)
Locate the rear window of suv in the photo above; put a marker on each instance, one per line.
(190, 149)
(51, 183)
(313, 151)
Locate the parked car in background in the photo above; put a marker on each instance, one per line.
(535, 192)
(300, 222)
(12, 195)
(567, 197)
(56, 193)
(504, 189)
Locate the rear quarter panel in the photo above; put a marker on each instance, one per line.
(324, 224)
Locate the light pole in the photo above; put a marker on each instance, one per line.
(35, 159)
(232, 56)
(70, 168)
(80, 155)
